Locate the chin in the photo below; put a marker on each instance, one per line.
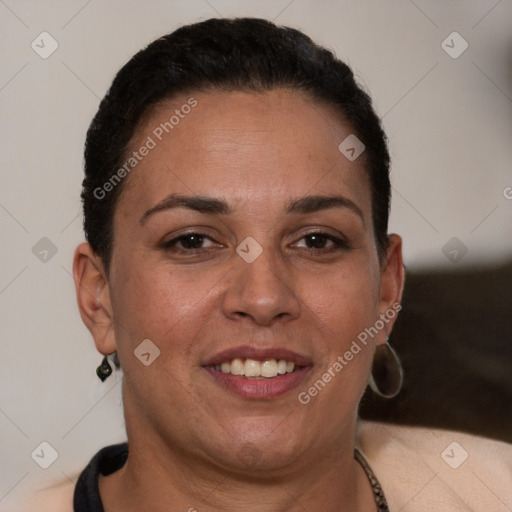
(262, 445)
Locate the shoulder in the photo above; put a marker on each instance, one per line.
(55, 498)
(420, 467)
(59, 496)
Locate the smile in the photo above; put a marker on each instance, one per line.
(254, 369)
(258, 373)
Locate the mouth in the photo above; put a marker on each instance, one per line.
(258, 373)
(253, 369)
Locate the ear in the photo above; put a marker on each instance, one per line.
(93, 297)
(391, 285)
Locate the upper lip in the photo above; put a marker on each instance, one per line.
(259, 354)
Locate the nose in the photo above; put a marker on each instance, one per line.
(262, 291)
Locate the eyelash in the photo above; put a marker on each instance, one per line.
(172, 245)
(338, 243)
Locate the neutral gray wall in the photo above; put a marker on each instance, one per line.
(450, 130)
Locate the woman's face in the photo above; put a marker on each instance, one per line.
(245, 233)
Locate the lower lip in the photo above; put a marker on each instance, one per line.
(259, 388)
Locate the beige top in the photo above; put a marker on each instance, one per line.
(419, 469)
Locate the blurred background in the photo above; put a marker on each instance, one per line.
(440, 74)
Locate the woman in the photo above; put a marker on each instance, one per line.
(238, 267)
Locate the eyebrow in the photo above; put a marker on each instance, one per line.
(211, 205)
(201, 204)
(311, 204)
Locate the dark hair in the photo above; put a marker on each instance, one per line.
(223, 54)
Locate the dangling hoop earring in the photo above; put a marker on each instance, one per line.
(387, 373)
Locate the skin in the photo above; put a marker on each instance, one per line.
(187, 434)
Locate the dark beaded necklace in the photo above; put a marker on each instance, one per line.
(378, 493)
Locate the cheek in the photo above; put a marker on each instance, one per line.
(343, 312)
(342, 307)
(166, 306)
(345, 302)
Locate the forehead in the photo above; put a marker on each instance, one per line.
(244, 146)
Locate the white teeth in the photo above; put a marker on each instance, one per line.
(237, 367)
(255, 369)
(269, 368)
(252, 368)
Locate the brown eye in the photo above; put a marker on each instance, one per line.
(316, 241)
(189, 242)
(321, 242)
(192, 241)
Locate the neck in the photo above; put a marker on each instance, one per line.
(340, 488)
(155, 475)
